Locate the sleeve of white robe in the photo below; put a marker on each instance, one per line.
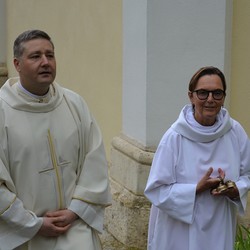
(92, 192)
(93, 215)
(17, 225)
(176, 199)
(93, 182)
(243, 183)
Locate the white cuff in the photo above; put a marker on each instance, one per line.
(17, 226)
(92, 214)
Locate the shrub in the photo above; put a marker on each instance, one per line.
(242, 241)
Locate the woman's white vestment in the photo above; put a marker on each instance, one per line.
(51, 157)
(180, 219)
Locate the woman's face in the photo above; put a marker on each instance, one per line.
(205, 111)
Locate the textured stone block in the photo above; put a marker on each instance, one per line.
(130, 165)
(127, 218)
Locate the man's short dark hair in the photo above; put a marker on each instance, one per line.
(28, 35)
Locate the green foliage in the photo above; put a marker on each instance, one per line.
(242, 241)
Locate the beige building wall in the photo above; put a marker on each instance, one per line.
(88, 40)
(240, 80)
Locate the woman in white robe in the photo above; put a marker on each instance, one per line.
(203, 148)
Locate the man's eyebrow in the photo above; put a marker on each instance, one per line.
(40, 52)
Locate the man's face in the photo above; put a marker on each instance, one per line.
(36, 66)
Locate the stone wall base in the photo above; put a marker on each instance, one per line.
(127, 219)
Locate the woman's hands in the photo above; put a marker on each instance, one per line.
(209, 183)
(57, 222)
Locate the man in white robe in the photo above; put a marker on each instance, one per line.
(54, 183)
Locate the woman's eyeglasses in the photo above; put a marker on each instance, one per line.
(203, 94)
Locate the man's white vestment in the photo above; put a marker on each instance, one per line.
(52, 157)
